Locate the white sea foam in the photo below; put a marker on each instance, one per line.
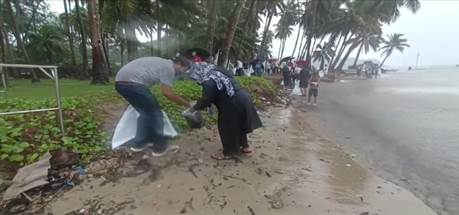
(429, 90)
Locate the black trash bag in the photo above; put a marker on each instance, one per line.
(194, 119)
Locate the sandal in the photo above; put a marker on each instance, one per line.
(246, 151)
(220, 157)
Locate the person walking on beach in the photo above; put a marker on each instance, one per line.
(314, 87)
(239, 68)
(237, 115)
(304, 80)
(258, 67)
(286, 75)
(133, 81)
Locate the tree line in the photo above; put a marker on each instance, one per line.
(93, 38)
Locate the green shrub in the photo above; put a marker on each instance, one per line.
(258, 87)
(24, 138)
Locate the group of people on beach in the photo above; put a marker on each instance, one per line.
(368, 70)
(292, 72)
(308, 78)
(251, 68)
(237, 115)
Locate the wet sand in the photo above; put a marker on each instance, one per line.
(293, 171)
(403, 125)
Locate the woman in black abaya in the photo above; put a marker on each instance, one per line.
(237, 115)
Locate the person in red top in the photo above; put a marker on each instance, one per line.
(196, 58)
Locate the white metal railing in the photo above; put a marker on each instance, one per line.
(53, 76)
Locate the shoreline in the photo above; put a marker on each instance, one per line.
(391, 143)
(293, 170)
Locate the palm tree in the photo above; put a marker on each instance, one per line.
(284, 27)
(283, 31)
(99, 73)
(211, 21)
(265, 50)
(394, 42)
(247, 30)
(81, 26)
(323, 54)
(69, 35)
(230, 31)
(271, 11)
(169, 14)
(389, 11)
(47, 44)
(298, 12)
(315, 19)
(367, 41)
(349, 23)
(17, 34)
(125, 18)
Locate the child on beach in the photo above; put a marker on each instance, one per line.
(314, 87)
(304, 79)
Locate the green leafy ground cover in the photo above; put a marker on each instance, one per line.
(24, 138)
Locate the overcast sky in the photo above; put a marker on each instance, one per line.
(432, 31)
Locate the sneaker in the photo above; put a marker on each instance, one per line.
(170, 149)
(139, 149)
(309, 103)
(315, 104)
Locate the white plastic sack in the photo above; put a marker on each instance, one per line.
(126, 128)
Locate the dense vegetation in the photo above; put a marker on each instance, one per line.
(23, 138)
(105, 33)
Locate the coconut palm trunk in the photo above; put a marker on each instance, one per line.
(151, 41)
(308, 48)
(248, 18)
(18, 37)
(314, 48)
(211, 23)
(341, 50)
(358, 55)
(248, 26)
(382, 63)
(106, 53)
(158, 29)
(99, 73)
(122, 48)
(299, 47)
(346, 56)
(283, 47)
(303, 48)
(5, 50)
(266, 29)
(2, 47)
(297, 38)
(84, 49)
(322, 63)
(159, 37)
(332, 60)
(280, 49)
(131, 41)
(230, 31)
(69, 34)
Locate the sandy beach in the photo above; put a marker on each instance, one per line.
(293, 171)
